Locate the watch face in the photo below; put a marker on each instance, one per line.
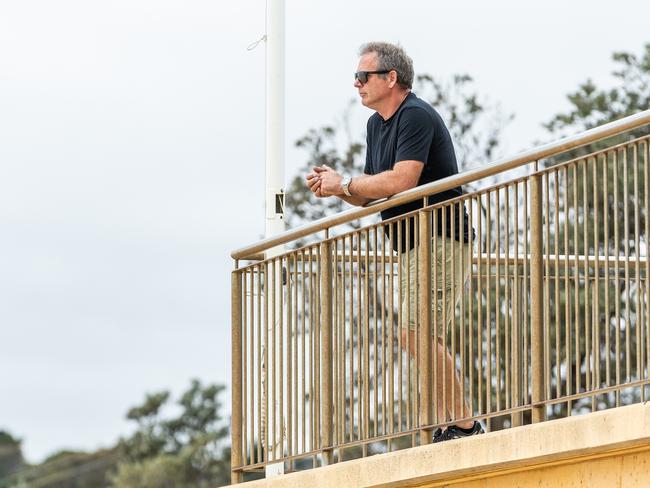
(345, 185)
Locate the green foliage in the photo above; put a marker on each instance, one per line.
(189, 449)
(193, 466)
(611, 185)
(67, 469)
(591, 106)
(185, 450)
(11, 456)
(6, 439)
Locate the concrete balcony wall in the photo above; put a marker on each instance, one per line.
(603, 449)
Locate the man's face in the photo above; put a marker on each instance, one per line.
(376, 89)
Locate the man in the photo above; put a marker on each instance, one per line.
(408, 145)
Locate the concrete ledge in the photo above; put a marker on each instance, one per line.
(610, 433)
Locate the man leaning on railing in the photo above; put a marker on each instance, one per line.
(409, 145)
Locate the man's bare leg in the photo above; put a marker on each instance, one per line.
(447, 382)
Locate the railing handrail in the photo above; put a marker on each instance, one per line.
(504, 164)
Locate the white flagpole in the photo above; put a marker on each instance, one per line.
(275, 82)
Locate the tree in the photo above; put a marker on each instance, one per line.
(66, 469)
(190, 449)
(182, 451)
(11, 456)
(591, 106)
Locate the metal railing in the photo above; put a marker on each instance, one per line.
(542, 312)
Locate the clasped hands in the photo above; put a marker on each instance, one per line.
(324, 182)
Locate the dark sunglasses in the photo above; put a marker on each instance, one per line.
(362, 76)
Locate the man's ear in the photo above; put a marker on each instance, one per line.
(392, 77)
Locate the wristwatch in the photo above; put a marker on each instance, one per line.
(345, 185)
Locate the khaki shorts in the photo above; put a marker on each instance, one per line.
(447, 281)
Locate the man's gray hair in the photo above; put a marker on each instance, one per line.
(391, 56)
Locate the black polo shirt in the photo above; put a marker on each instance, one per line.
(415, 132)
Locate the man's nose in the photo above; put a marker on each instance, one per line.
(357, 83)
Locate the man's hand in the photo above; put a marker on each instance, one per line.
(314, 183)
(324, 182)
(330, 181)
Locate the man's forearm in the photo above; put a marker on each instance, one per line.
(355, 200)
(381, 185)
(325, 182)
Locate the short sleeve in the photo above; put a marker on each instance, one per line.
(414, 136)
(367, 169)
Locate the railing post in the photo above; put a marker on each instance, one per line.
(326, 351)
(425, 365)
(537, 299)
(236, 460)
(516, 419)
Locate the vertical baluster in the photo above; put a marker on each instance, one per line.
(326, 398)
(374, 288)
(479, 292)
(391, 337)
(596, 297)
(516, 418)
(637, 270)
(546, 222)
(424, 364)
(296, 374)
(617, 301)
(567, 290)
(525, 286)
(576, 283)
(506, 278)
(304, 401)
(359, 342)
(366, 340)
(556, 252)
(587, 288)
(351, 336)
(626, 267)
(244, 360)
(464, 264)
(497, 299)
(488, 307)
(401, 324)
(251, 354)
(470, 324)
(646, 206)
(606, 284)
(537, 298)
(236, 454)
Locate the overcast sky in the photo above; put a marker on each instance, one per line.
(132, 164)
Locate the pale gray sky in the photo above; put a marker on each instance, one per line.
(132, 163)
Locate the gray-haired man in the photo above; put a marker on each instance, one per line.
(409, 145)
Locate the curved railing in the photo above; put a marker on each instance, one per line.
(469, 176)
(552, 320)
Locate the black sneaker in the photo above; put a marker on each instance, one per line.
(455, 432)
